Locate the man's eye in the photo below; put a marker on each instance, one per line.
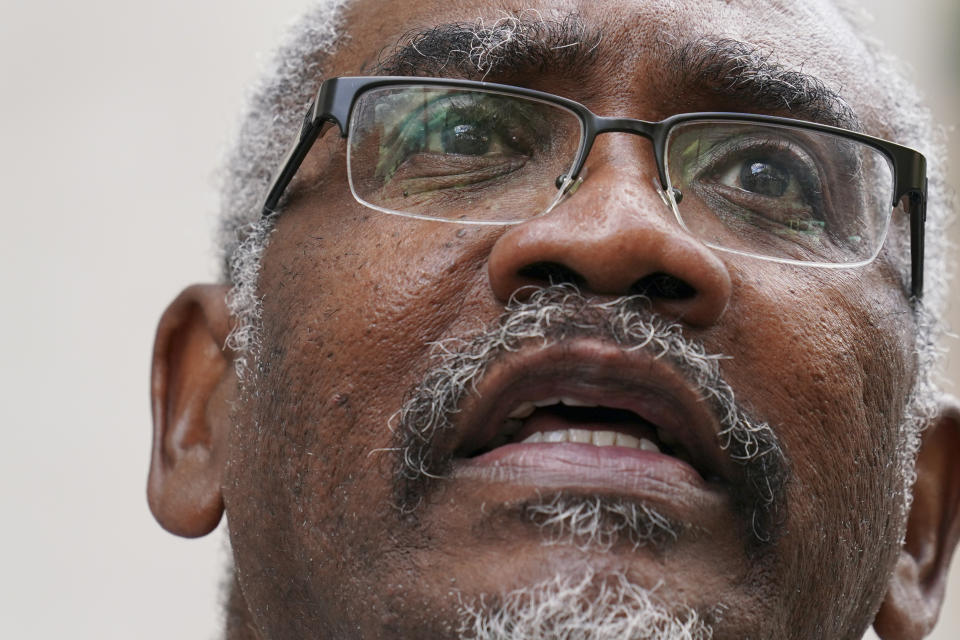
(775, 176)
(779, 191)
(772, 182)
(468, 139)
(437, 152)
(462, 129)
(459, 141)
(764, 177)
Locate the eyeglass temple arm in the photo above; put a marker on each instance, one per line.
(327, 109)
(309, 132)
(918, 217)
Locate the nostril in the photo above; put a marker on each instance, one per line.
(663, 286)
(552, 273)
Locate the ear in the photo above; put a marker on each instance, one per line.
(915, 594)
(192, 386)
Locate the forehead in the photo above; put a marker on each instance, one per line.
(631, 41)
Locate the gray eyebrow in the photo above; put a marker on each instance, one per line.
(750, 75)
(743, 75)
(519, 43)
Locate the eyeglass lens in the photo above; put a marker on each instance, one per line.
(459, 154)
(759, 189)
(778, 191)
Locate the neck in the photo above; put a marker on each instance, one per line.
(239, 622)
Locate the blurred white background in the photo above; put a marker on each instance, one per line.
(114, 117)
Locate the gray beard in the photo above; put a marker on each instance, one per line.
(597, 523)
(586, 607)
(549, 316)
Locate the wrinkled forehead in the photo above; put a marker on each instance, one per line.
(621, 44)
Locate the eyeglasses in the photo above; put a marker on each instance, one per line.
(481, 153)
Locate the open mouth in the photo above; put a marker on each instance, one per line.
(595, 406)
(568, 419)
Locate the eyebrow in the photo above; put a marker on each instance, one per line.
(521, 43)
(720, 68)
(746, 73)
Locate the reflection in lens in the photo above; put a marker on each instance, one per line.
(457, 154)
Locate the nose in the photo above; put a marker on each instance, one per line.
(614, 237)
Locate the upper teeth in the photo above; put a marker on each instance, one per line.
(524, 409)
(596, 438)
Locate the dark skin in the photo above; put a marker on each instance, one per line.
(353, 299)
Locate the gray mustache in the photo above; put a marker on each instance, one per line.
(549, 316)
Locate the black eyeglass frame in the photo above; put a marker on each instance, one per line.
(336, 97)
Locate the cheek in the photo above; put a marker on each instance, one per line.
(353, 307)
(822, 358)
(365, 295)
(827, 365)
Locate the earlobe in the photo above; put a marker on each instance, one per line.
(192, 385)
(915, 594)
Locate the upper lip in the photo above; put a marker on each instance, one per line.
(596, 372)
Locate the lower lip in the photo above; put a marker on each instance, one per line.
(583, 466)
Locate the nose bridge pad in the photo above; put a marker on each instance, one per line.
(567, 187)
(666, 197)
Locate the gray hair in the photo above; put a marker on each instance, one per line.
(578, 607)
(273, 118)
(280, 99)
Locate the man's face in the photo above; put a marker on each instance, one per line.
(333, 534)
